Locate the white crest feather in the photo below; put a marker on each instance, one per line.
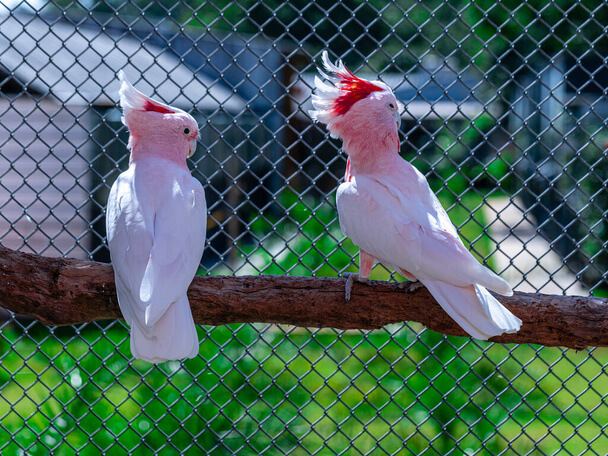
(326, 93)
(330, 67)
(132, 99)
(330, 97)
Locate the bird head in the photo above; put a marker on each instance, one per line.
(156, 127)
(354, 107)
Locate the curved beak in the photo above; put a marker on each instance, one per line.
(192, 148)
(400, 109)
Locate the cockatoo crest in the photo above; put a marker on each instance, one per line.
(334, 99)
(132, 99)
(145, 118)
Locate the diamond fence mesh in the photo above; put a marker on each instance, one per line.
(505, 108)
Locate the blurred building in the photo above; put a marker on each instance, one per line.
(559, 132)
(64, 144)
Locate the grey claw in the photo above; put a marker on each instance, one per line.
(351, 277)
(349, 285)
(411, 285)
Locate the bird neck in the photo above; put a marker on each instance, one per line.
(369, 155)
(140, 150)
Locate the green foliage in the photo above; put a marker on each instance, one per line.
(461, 159)
(584, 183)
(514, 29)
(304, 240)
(310, 241)
(267, 389)
(498, 37)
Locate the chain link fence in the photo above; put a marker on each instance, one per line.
(505, 108)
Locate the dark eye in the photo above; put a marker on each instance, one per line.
(186, 131)
(391, 105)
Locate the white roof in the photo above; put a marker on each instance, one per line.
(79, 66)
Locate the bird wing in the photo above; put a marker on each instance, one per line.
(156, 244)
(130, 237)
(179, 236)
(409, 232)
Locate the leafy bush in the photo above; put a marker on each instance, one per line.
(271, 389)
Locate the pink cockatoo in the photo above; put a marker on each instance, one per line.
(388, 210)
(156, 223)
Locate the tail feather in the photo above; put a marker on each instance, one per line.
(173, 336)
(494, 282)
(474, 309)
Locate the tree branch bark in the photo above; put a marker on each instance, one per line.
(63, 291)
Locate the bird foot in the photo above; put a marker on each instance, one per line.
(410, 286)
(350, 280)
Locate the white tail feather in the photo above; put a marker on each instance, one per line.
(474, 309)
(172, 337)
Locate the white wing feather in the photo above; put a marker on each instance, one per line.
(411, 234)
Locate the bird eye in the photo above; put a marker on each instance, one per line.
(391, 105)
(186, 131)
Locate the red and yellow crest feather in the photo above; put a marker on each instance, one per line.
(333, 99)
(151, 105)
(132, 99)
(353, 89)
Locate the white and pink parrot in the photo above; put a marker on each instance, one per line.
(388, 210)
(156, 223)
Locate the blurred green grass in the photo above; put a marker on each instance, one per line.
(265, 389)
(311, 242)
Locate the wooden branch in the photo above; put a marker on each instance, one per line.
(59, 291)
